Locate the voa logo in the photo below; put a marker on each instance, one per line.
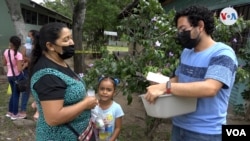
(236, 132)
(228, 16)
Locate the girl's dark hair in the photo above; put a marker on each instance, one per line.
(196, 14)
(48, 33)
(115, 81)
(16, 41)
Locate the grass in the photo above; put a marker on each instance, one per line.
(3, 98)
(8, 129)
(135, 133)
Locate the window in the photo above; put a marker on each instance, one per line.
(29, 17)
(52, 19)
(42, 19)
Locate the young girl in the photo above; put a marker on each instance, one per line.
(108, 110)
(13, 59)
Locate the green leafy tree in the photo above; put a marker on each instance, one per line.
(64, 7)
(146, 25)
(238, 37)
(101, 15)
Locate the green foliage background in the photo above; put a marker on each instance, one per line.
(149, 23)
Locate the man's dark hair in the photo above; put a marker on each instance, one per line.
(195, 14)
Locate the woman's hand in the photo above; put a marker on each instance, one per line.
(91, 102)
(55, 113)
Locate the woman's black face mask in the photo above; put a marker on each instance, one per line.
(68, 52)
(184, 38)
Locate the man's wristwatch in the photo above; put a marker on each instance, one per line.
(168, 87)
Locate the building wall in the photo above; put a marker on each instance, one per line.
(34, 16)
(6, 27)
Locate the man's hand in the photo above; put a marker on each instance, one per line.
(154, 91)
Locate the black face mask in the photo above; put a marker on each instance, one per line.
(68, 52)
(185, 40)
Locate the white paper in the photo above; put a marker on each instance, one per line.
(158, 78)
(91, 92)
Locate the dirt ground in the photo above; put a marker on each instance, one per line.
(133, 123)
(135, 116)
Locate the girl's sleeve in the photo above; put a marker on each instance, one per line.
(119, 111)
(19, 56)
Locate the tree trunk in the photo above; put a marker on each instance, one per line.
(78, 20)
(17, 18)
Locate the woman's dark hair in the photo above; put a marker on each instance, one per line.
(196, 14)
(48, 33)
(34, 33)
(16, 42)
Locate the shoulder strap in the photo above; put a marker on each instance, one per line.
(11, 65)
(72, 129)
